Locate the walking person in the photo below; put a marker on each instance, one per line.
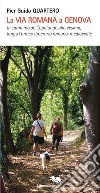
(56, 131)
(38, 133)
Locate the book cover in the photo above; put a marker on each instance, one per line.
(44, 56)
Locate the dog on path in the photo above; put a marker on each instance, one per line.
(45, 157)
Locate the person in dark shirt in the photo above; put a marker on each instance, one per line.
(56, 131)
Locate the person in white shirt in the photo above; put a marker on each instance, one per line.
(38, 133)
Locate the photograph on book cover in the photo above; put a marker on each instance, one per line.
(49, 96)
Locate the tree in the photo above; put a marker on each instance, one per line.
(4, 69)
(36, 61)
(18, 100)
(90, 96)
(64, 74)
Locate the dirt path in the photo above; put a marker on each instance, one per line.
(26, 171)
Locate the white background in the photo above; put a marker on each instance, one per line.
(71, 8)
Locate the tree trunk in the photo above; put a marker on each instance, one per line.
(90, 96)
(36, 77)
(65, 107)
(6, 122)
(33, 100)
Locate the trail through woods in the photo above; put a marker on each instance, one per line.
(26, 170)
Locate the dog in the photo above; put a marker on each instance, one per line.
(45, 160)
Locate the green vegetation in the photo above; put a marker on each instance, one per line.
(63, 68)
